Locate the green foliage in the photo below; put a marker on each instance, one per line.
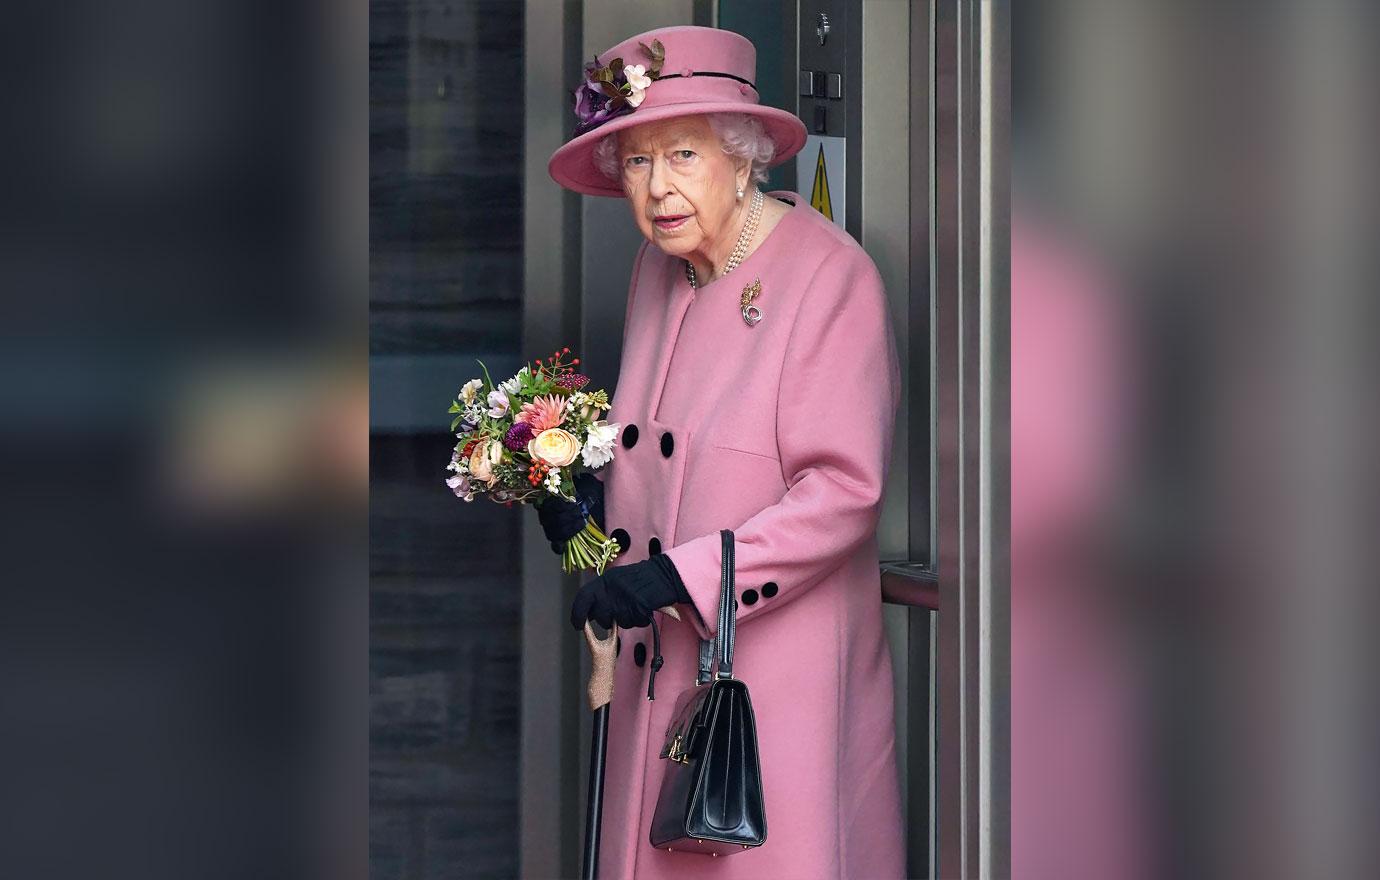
(489, 383)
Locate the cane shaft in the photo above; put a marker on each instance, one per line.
(594, 808)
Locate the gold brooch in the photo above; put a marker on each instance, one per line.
(751, 314)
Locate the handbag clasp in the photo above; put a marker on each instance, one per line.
(676, 753)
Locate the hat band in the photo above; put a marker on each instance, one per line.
(745, 82)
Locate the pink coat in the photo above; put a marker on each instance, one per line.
(782, 432)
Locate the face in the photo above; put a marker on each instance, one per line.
(681, 185)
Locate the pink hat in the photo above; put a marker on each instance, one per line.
(688, 70)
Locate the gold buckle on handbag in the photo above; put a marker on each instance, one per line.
(676, 753)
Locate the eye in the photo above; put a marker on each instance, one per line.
(634, 161)
(685, 154)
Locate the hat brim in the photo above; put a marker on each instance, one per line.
(572, 166)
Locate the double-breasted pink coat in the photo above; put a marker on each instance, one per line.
(781, 431)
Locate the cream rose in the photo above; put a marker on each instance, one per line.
(555, 446)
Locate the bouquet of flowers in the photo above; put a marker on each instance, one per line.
(525, 439)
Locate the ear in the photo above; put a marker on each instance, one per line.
(742, 175)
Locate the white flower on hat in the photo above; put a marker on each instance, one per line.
(638, 81)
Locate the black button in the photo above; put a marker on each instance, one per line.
(623, 538)
(749, 597)
(629, 436)
(654, 547)
(668, 443)
(639, 653)
(769, 589)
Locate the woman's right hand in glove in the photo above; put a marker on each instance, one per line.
(562, 520)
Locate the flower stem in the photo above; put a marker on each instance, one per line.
(591, 548)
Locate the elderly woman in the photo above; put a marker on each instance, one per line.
(765, 404)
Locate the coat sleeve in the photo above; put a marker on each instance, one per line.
(836, 408)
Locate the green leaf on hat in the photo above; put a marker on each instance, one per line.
(657, 53)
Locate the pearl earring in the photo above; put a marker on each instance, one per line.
(740, 192)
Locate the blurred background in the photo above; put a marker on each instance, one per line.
(1193, 317)
(238, 243)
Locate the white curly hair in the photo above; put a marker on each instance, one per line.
(741, 134)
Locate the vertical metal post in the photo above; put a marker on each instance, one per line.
(994, 587)
(971, 313)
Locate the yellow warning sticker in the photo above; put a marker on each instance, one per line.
(819, 192)
(821, 173)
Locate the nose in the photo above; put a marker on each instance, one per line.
(659, 183)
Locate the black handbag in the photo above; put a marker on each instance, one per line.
(711, 793)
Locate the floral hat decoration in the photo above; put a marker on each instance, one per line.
(660, 74)
(615, 88)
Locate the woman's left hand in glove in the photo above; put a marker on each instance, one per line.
(628, 594)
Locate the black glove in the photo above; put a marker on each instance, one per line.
(562, 520)
(628, 594)
(589, 490)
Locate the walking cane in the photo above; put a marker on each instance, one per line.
(600, 692)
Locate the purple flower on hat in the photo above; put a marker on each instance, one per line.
(592, 106)
(614, 89)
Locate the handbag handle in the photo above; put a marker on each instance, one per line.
(728, 609)
(722, 645)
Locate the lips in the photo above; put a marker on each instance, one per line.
(670, 221)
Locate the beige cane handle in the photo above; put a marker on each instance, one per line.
(601, 652)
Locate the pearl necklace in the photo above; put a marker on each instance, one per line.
(744, 239)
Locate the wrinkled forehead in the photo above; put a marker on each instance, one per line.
(666, 134)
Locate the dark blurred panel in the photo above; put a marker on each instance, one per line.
(183, 419)
(445, 200)
(1194, 654)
